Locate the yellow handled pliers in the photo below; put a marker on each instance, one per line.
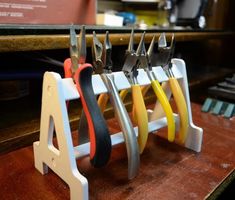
(145, 62)
(166, 53)
(130, 70)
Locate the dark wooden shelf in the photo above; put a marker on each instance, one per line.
(61, 41)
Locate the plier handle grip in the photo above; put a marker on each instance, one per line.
(81, 72)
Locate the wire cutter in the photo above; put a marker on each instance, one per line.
(81, 73)
(140, 112)
(166, 54)
(145, 62)
(103, 65)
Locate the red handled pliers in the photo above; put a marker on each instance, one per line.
(81, 73)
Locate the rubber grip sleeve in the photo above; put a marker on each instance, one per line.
(181, 107)
(67, 68)
(141, 116)
(100, 141)
(144, 90)
(67, 73)
(166, 107)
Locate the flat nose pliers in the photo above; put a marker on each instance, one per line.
(81, 73)
(103, 65)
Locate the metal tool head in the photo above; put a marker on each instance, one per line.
(141, 47)
(73, 49)
(82, 46)
(131, 59)
(130, 48)
(141, 53)
(107, 54)
(162, 41)
(97, 50)
(165, 52)
(150, 52)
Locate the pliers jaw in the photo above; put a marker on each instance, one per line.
(97, 49)
(141, 53)
(150, 53)
(82, 46)
(102, 54)
(73, 50)
(107, 54)
(131, 61)
(77, 50)
(145, 57)
(130, 49)
(166, 52)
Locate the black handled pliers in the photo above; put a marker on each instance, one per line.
(81, 72)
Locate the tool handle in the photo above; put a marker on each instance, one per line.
(141, 116)
(166, 107)
(126, 126)
(67, 68)
(100, 141)
(181, 107)
(123, 94)
(67, 73)
(144, 90)
(102, 101)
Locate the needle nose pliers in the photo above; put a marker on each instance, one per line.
(81, 73)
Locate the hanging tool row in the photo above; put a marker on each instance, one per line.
(81, 72)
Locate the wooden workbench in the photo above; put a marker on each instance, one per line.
(167, 171)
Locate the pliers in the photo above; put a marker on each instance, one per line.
(166, 54)
(140, 113)
(81, 73)
(103, 65)
(145, 62)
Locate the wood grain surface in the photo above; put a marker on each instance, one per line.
(61, 41)
(167, 170)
